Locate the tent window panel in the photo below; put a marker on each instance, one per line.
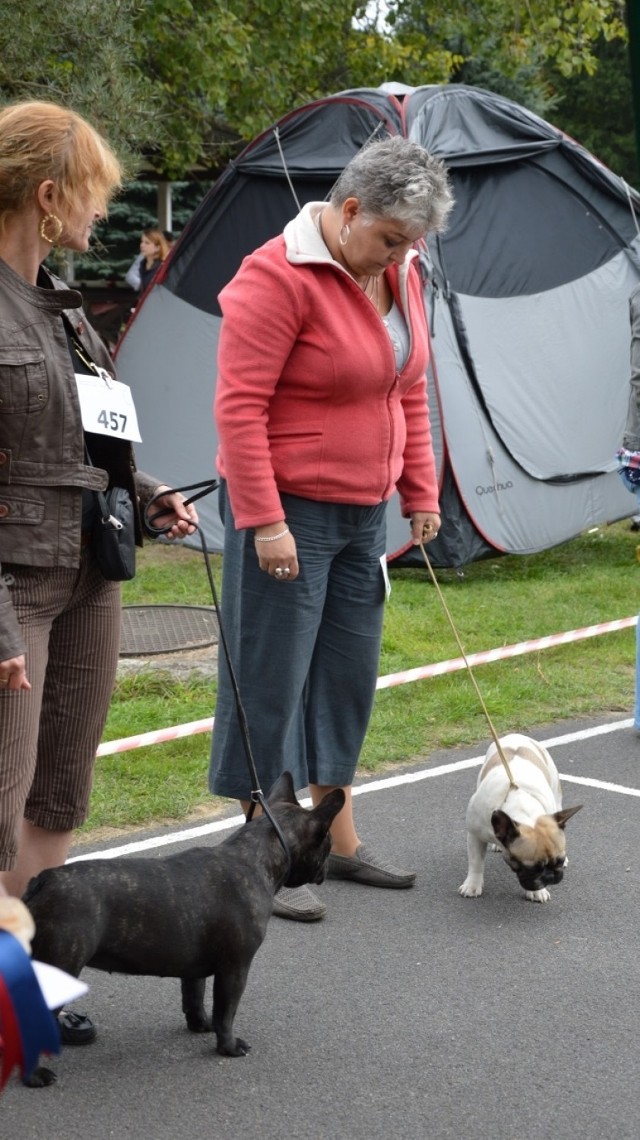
(553, 371)
(252, 212)
(516, 230)
(320, 142)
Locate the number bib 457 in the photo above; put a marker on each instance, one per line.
(107, 407)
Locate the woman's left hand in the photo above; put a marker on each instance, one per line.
(171, 511)
(424, 527)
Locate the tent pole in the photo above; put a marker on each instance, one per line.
(633, 26)
(165, 219)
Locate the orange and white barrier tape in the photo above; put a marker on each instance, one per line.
(516, 650)
(162, 735)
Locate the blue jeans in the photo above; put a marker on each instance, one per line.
(305, 653)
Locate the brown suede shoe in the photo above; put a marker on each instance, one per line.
(368, 869)
(298, 903)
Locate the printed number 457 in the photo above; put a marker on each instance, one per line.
(113, 421)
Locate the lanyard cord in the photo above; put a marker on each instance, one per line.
(94, 369)
(512, 783)
(205, 487)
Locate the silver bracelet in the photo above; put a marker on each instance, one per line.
(270, 537)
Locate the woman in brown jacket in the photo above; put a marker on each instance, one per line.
(59, 616)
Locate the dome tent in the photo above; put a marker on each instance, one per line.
(526, 294)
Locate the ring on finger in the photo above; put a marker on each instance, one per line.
(278, 571)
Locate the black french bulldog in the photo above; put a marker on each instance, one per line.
(189, 915)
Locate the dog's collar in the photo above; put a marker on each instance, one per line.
(516, 788)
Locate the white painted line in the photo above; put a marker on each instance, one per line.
(602, 784)
(230, 822)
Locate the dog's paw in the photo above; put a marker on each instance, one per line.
(40, 1078)
(199, 1024)
(236, 1047)
(538, 896)
(471, 888)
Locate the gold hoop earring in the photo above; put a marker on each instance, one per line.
(343, 241)
(51, 220)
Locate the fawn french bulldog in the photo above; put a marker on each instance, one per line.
(527, 822)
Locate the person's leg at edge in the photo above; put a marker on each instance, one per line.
(636, 711)
(344, 837)
(81, 672)
(287, 622)
(346, 660)
(37, 602)
(81, 662)
(341, 690)
(38, 848)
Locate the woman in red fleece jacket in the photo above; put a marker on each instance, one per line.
(322, 413)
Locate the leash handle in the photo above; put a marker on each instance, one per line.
(494, 734)
(205, 487)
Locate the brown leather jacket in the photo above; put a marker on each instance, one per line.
(42, 460)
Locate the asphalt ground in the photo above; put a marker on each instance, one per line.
(413, 1014)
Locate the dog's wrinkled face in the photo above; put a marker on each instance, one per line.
(538, 875)
(537, 854)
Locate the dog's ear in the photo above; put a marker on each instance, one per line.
(282, 791)
(561, 817)
(329, 806)
(504, 829)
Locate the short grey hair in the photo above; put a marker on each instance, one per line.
(399, 179)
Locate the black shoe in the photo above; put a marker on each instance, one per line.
(76, 1028)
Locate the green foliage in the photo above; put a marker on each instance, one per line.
(580, 109)
(515, 36)
(82, 53)
(182, 82)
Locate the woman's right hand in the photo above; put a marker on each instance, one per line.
(13, 673)
(279, 558)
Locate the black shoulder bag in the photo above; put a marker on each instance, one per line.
(113, 538)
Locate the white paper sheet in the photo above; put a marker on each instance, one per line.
(57, 987)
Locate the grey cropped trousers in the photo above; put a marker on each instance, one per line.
(305, 653)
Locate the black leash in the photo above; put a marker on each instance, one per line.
(205, 487)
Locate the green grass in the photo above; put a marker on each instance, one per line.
(593, 579)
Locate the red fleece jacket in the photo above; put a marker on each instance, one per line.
(308, 399)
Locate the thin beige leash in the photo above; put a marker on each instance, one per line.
(494, 734)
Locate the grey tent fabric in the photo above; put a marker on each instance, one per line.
(526, 294)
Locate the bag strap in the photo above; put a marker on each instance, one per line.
(106, 518)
